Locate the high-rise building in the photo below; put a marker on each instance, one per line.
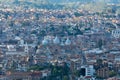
(87, 70)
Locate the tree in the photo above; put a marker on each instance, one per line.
(99, 61)
(77, 73)
(36, 67)
(65, 78)
(112, 73)
(59, 72)
(78, 14)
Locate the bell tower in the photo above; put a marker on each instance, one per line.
(26, 50)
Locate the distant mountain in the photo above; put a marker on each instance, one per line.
(50, 1)
(60, 1)
(53, 4)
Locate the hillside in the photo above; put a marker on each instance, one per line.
(58, 4)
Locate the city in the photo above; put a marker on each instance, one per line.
(78, 41)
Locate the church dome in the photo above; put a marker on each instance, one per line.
(45, 42)
(17, 38)
(68, 41)
(56, 40)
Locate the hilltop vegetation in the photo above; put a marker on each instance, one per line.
(93, 5)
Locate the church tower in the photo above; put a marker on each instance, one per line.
(26, 50)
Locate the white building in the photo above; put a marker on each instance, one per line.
(13, 51)
(21, 42)
(117, 58)
(89, 70)
(116, 33)
(11, 48)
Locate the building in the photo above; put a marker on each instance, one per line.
(56, 40)
(18, 76)
(116, 33)
(12, 50)
(24, 75)
(113, 78)
(67, 42)
(87, 70)
(103, 72)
